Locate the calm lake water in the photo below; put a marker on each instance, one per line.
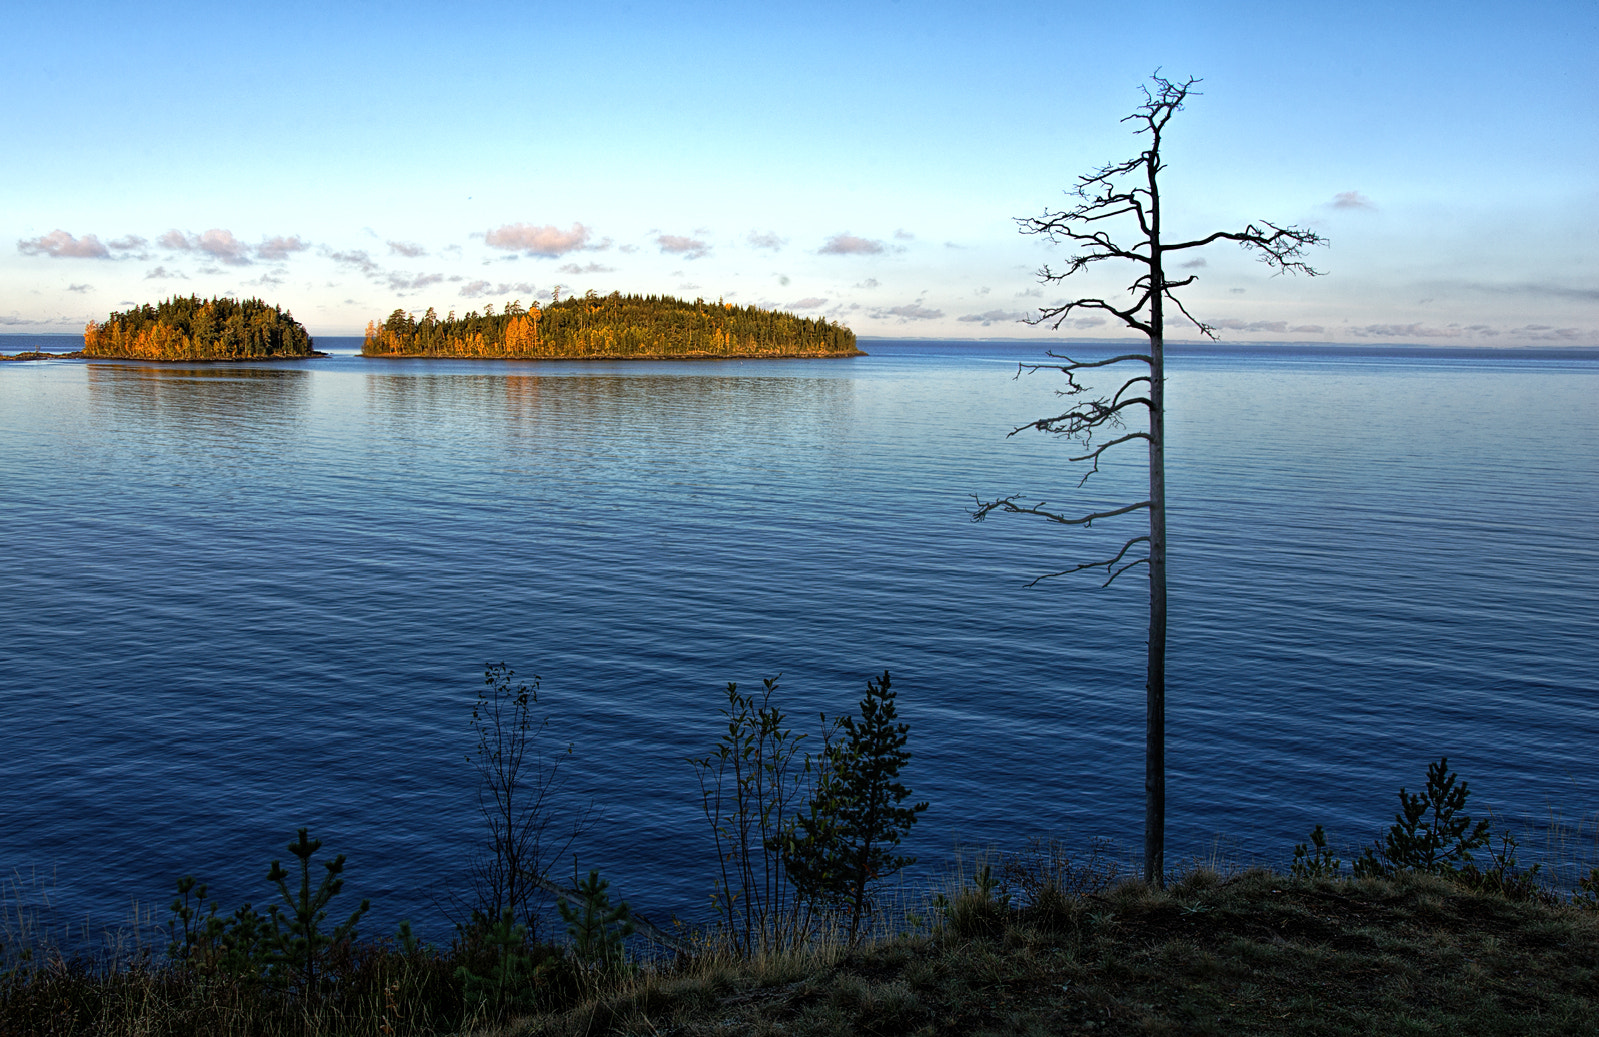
(242, 599)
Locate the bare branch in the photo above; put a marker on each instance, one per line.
(1009, 505)
(1083, 418)
(1129, 565)
(1078, 365)
(1204, 329)
(1108, 565)
(1280, 248)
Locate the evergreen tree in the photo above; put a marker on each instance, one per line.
(845, 845)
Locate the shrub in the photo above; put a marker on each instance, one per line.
(838, 851)
(1430, 833)
(749, 785)
(1316, 861)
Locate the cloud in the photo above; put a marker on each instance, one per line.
(993, 315)
(1527, 332)
(547, 241)
(1352, 200)
(270, 279)
(1237, 291)
(849, 245)
(406, 249)
(1416, 330)
(809, 303)
(128, 242)
(79, 287)
(400, 282)
(870, 282)
(908, 312)
(1194, 264)
(783, 280)
(217, 243)
(162, 273)
(58, 244)
(1234, 324)
(677, 245)
(903, 235)
(951, 244)
(1544, 333)
(586, 268)
(478, 289)
(1554, 291)
(222, 245)
(358, 259)
(278, 248)
(768, 240)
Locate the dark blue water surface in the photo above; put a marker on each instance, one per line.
(242, 599)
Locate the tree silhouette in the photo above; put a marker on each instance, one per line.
(1127, 195)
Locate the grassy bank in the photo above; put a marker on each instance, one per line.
(1255, 953)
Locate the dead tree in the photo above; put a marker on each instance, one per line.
(1126, 196)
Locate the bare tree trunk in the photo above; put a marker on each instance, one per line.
(1155, 683)
(1155, 704)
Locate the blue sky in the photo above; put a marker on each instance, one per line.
(861, 161)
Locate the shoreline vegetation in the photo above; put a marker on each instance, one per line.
(587, 327)
(1436, 928)
(191, 328)
(610, 327)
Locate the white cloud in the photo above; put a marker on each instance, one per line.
(412, 282)
(217, 243)
(1275, 327)
(908, 312)
(358, 259)
(222, 245)
(904, 235)
(161, 273)
(79, 287)
(985, 319)
(768, 240)
(58, 244)
(279, 248)
(1352, 200)
(547, 241)
(406, 249)
(849, 245)
(808, 303)
(678, 245)
(586, 268)
(474, 289)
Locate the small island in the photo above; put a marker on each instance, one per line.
(191, 328)
(610, 327)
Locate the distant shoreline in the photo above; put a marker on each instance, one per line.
(81, 355)
(808, 355)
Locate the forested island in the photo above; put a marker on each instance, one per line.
(614, 326)
(192, 328)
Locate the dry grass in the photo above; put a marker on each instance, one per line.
(1057, 947)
